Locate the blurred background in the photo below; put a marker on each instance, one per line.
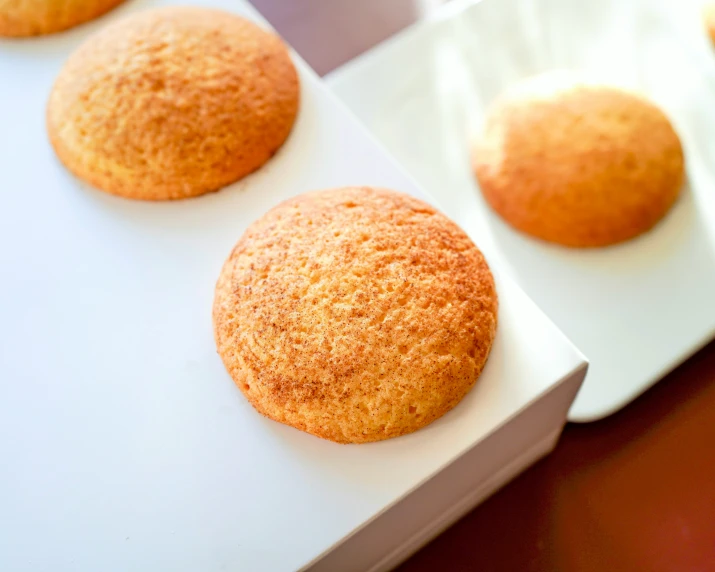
(327, 33)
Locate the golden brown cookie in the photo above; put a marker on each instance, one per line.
(709, 20)
(173, 103)
(577, 163)
(355, 314)
(20, 18)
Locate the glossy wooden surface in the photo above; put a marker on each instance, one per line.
(633, 492)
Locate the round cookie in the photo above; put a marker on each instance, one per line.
(22, 18)
(355, 314)
(577, 163)
(173, 103)
(709, 19)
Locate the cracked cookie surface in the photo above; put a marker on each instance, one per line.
(173, 103)
(355, 314)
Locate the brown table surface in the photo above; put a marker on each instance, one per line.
(635, 491)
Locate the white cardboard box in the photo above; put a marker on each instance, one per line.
(124, 444)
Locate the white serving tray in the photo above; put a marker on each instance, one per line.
(124, 444)
(635, 310)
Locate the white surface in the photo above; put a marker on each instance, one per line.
(454, 512)
(124, 444)
(449, 495)
(635, 310)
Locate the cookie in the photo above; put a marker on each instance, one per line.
(21, 18)
(355, 314)
(709, 20)
(173, 103)
(577, 163)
